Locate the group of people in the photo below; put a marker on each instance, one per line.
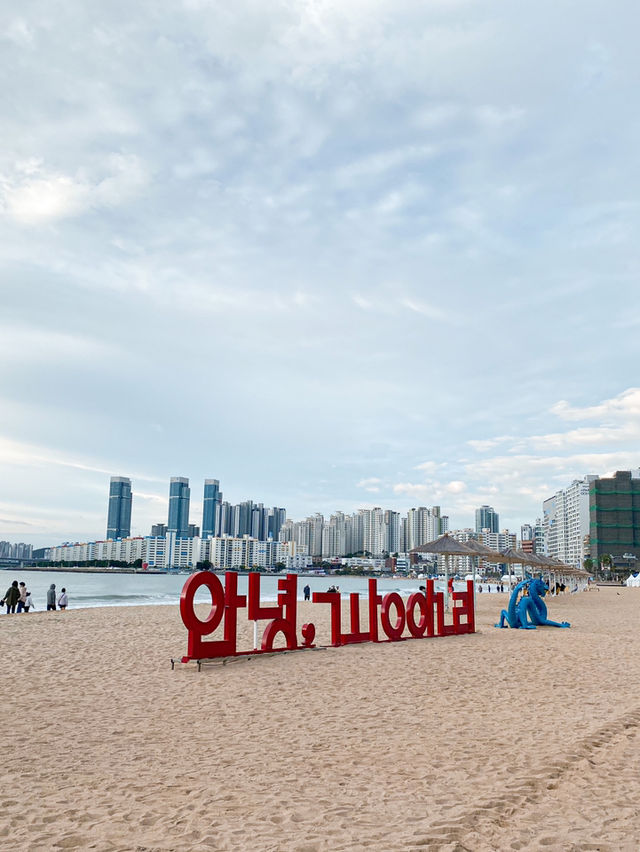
(18, 598)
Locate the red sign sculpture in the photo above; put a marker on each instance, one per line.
(422, 615)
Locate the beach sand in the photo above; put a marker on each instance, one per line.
(495, 741)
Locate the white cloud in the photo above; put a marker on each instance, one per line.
(371, 484)
(33, 195)
(41, 199)
(412, 489)
(625, 405)
(430, 466)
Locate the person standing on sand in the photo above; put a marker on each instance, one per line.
(23, 596)
(51, 597)
(28, 604)
(11, 597)
(307, 592)
(63, 600)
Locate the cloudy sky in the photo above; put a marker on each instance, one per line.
(334, 253)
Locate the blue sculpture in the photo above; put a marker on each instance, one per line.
(530, 611)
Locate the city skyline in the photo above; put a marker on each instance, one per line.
(253, 518)
(340, 255)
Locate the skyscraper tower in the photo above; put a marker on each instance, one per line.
(211, 508)
(179, 498)
(487, 519)
(119, 515)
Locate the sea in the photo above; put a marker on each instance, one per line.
(115, 589)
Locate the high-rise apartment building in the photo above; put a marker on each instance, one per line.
(565, 521)
(393, 528)
(316, 524)
(422, 525)
(275, 519)
(374, 531)
(179, 499)
(119, 514)
(211, 508)
(487, 519)
(614, 515)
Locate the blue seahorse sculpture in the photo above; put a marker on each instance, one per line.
(530, 611)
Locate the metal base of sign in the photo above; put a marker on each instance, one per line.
(216, 661)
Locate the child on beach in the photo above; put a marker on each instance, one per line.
(28, 604)
(63, 600)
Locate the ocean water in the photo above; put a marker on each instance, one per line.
(111, 589)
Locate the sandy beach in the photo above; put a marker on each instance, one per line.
(495, 741)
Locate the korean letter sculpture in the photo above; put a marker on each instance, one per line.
(530, 611)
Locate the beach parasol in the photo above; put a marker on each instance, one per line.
(484, 552)
(513, 557)
(444, 546)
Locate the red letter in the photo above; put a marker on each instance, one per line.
(288, 604)
(374, 601)
(222, 603)
(437, 599)
(332, 598)
(394, 632)
(356, 634)
(465, 610)
(418, 630)
(256, 612)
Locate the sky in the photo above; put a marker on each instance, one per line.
(334, 254)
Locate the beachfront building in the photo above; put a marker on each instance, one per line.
(119, 512)
(538, 537)
(614, 517)
(531, 538)
(248, 552)
(211, 508)
(181, 552)
(423, 525)
(247, 518)
(565, 521)
(393, 531)
(154, 553)
(179, 499)
(334, 536)
(172, 552)
(487, 519)
(374, 531)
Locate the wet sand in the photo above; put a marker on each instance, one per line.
(495, 741)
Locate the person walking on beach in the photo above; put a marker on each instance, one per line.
(28, 604)
(51, 597)
(63, 600)
(11, 597)
(23, 596)
(307, 592)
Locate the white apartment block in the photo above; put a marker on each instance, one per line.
(565, 521)
(423, 525)
(374, 531)
(230, 552)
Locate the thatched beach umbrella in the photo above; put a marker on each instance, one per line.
(445, 546)
(481, 550)
(513, 557)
